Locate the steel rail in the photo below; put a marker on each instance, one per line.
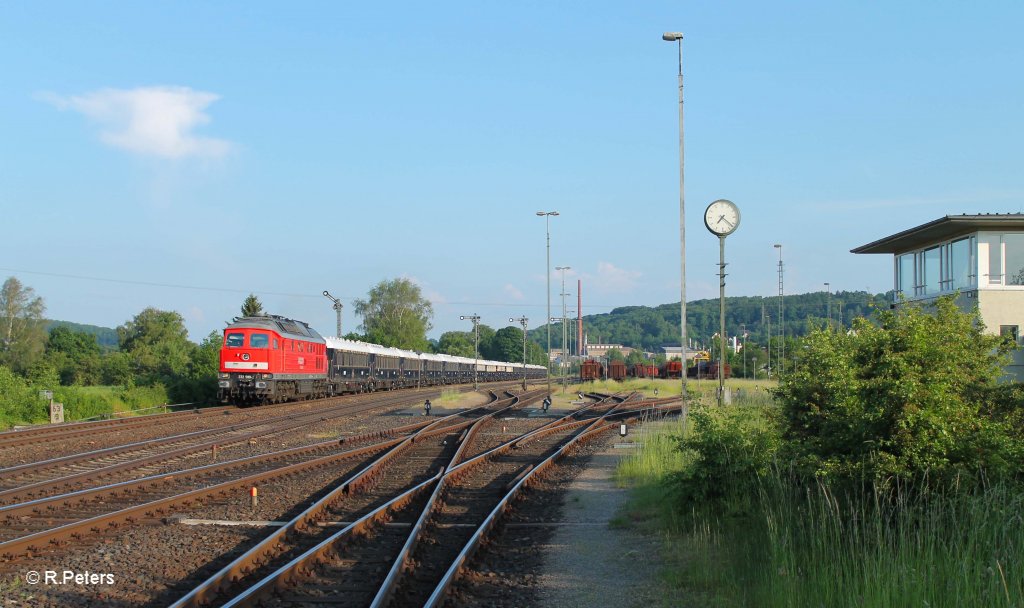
(263, 551)
(53, 432)
(35, 543)
(452, 472)
(25, 492)
(50, 504)
(283, 574)
(471, 546)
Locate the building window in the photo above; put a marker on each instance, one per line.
(932, 270)
(1013, 245)
(961, 263)
(1008, 332)
(995, 262)
(906, 278)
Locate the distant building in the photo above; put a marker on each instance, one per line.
(981, 256)
(673, 351)
(601, 350)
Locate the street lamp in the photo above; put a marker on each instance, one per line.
(782, 318)
(337, 308)
(522, 321)
(476, 343)
(547, 225)
(828, 290)
(561, 360)
(743, 332)
(677, 37)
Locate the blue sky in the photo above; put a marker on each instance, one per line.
(197, 151)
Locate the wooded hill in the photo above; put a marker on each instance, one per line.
(105, 336)
(651, 328)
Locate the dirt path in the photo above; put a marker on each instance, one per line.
(586, 553)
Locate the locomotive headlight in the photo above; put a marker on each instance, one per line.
(223, 375)
(268, 376)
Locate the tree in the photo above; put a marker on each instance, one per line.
(252, 307)
(395, 313)
(198, 383)
(75, 355)
(158, 344)
(456, 343)
(507, 345)
(635, 357)
(22, 336)
(615, 354)
(486, 336)
(535, 354)
(907, 397)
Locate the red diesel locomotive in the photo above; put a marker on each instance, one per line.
(272, 359)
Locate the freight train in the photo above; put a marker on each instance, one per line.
(272, 359)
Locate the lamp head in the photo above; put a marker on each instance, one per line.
(672, 36)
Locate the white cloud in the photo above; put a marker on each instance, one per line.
(612, 279)
(511, 291)
(154, 121)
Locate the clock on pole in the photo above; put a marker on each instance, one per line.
(722, 218)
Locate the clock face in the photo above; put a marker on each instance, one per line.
(722, 217)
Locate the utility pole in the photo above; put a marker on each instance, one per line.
(561, 360)
(782, 317)
(476, 343)
(743, 332)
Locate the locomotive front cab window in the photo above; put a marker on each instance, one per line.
(234, 340)
(259, 340)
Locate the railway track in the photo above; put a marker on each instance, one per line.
(40, 524)
(60, 432)
(69, 473)
(36, 444)
(441, 479)
(375, 546)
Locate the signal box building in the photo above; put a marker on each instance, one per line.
(979, 256)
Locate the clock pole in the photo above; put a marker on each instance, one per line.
(721, 218)
(721, 319)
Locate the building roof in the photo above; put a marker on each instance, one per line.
(942, 229)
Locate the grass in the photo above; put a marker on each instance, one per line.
(783, 544)
(672, 387)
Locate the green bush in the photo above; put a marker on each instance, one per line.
(19, 402)
(137, 397)
(727, 451)
(79, 404)
(909, 397)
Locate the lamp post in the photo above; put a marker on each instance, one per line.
(476, 343)
(547, 225)
(522, 321)
(743, 332)
(561, 360)
(677, 37)
(782, 318)
(337, 308)
(828, 290)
